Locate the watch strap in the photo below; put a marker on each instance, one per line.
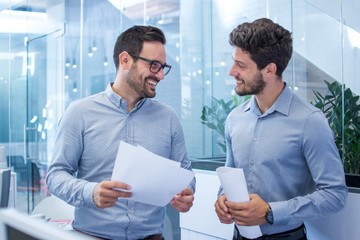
(269, 216)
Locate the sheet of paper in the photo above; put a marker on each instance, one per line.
(153, 179)
(235, 188)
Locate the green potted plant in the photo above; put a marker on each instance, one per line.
(215, 116)
(343, 114)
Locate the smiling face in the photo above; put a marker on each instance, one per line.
(140, 79)
(249, 79)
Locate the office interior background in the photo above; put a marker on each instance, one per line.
(53, 52)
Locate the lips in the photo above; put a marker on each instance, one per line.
(239, 82)
(152, 82)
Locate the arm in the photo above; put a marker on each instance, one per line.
(323, 160)
(221, 209)
(182, 201)
(68, 147)
(245, 214)
(61, 178)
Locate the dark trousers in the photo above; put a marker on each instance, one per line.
(295, 234)
(153, 237)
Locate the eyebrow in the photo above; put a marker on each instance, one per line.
(239, 62)
(155, 60)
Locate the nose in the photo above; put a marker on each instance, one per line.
(233, 71)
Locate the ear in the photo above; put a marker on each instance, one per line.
(270, 69)
(125, 60)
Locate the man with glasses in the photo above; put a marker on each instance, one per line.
(89, 134)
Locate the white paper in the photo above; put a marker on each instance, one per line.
(153, 179)
(235, 188)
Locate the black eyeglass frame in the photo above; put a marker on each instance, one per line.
(162, 66)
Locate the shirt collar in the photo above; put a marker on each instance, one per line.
(281, 104)
(117, 100)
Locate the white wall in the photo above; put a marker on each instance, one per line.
(342, 225)
(201, 221)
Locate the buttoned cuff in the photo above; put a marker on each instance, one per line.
(280, 212)
(87, 194)
(220, 192)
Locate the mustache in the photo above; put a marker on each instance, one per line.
(239, 79)
(152, 78)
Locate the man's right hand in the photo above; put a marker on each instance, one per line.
(105, 195)
(222, 211)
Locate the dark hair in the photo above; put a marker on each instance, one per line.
(265, 41)
(133, 38)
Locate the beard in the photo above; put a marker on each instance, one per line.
(253, 87)
(138, 85)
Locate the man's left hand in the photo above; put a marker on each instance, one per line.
(183, 201)
(249, 213)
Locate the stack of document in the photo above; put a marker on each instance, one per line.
(153, 179)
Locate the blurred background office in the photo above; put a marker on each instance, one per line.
(53, 52)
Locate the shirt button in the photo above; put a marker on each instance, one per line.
(129, 232)
(251, 186)
(252, 162)
(255, 138)
(130, 211)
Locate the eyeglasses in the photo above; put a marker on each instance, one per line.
(155, 66)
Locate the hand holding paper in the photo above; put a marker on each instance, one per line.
(183, 201)
(105, 196)
(153, 179)
(235, 188)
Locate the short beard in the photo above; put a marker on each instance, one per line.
(138, 86)
(255, 87)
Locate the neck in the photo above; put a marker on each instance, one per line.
(268, 96)
(124, 91)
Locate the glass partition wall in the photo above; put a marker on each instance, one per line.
(31, 55)
(54, 52)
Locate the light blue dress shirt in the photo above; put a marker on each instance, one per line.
(87, 141)
(289, 159)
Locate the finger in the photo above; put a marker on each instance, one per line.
(115, 184)
(237, 206)
(181, 206)
(186, 191)
(184, 198)
(221, 203)
(113, 193)
(225, 217)
(106, 205)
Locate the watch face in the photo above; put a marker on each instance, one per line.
(269, 216)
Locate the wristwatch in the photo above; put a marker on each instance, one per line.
(269, 216)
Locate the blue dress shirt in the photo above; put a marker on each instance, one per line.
(289, 159)
(87, 141)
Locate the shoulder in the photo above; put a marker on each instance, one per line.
(164, 114)
(241, 109)
(303, 105)
(311, 118)
(79, 110)
(160, 107)
(83, 104)
(306, 110)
